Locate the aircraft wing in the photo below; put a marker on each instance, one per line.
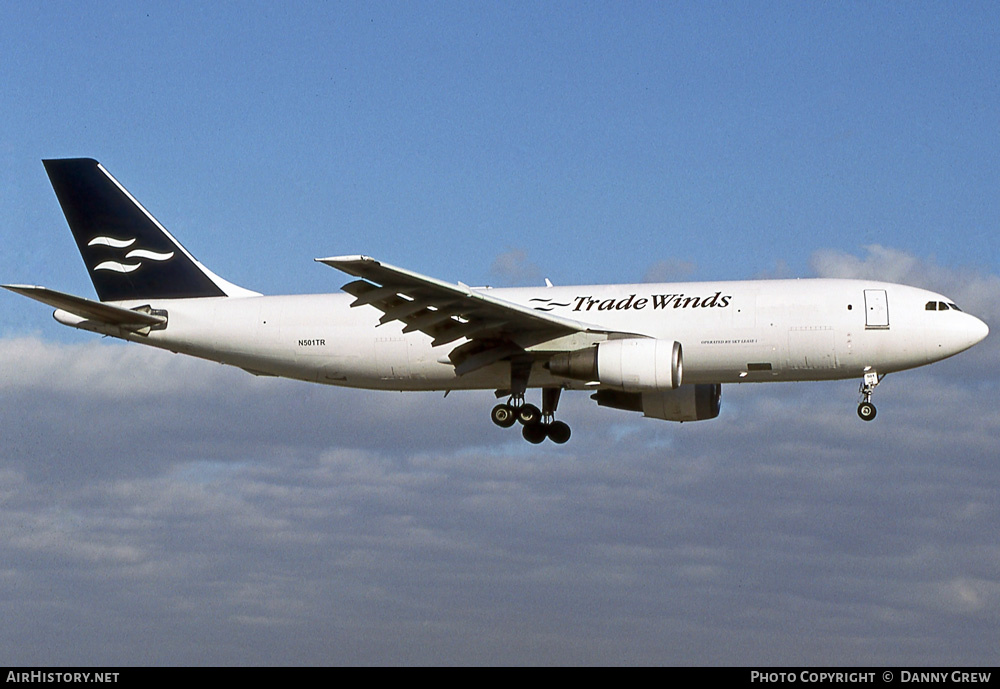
(496, 328)
(88, 308)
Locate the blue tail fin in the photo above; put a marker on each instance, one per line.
(128, 253)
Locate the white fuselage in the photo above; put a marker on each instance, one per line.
(749, 331)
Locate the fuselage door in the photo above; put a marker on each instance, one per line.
(876, 310)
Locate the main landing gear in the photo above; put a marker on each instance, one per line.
(866, 410)
(537, 424)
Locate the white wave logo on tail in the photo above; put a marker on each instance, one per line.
(118, 266)
(111, 241)
(151, 255)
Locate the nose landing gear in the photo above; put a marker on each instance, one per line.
(866, 410)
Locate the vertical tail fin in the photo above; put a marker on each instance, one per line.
(128, 253)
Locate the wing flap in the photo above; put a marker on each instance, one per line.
(445, 311)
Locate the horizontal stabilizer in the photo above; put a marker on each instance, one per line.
(88, 308)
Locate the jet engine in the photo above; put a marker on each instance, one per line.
(686, 403)
(630, 364)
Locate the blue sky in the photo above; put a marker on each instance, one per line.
(596, 138)
(500, 144)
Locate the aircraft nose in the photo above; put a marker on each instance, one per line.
(956, 336)
(978, 330)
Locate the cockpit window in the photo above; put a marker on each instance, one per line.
(940, 306)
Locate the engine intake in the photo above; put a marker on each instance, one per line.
(631, 364)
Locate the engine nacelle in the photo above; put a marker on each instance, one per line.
(686, 403)
(632, 365)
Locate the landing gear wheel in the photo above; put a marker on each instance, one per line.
(529, 414)
(536, 424)
(558, 432)
(534, 432)
(866, 410)
(503, 415)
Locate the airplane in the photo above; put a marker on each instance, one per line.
(664, 350)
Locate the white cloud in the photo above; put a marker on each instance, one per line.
(669, 270)
(512, 267)
(972, 289)
(161, 509)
